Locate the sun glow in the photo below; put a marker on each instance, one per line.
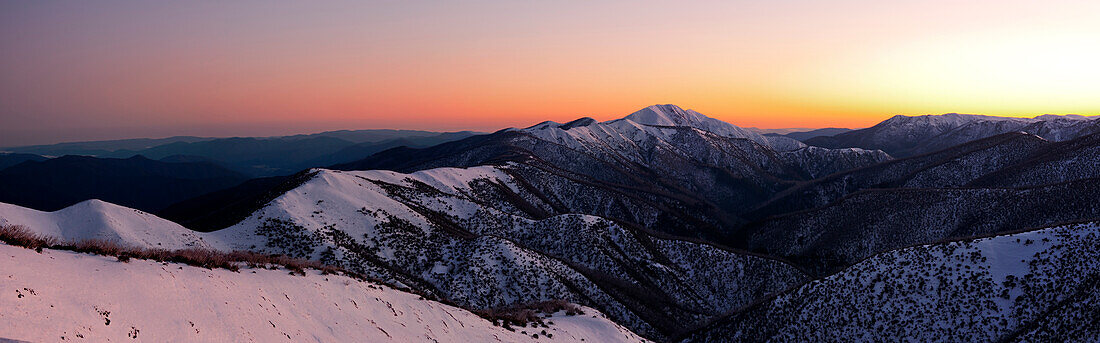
(1021, 74)
(495, 64)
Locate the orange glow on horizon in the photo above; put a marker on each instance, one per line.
(496, 64)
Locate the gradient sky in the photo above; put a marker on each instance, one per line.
(79, 70)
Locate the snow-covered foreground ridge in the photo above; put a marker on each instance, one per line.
(65, 296)
(1036, 286)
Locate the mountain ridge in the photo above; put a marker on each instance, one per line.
(903, 136)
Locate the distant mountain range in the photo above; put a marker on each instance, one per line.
(807, 134)
(680, 227)
(903, 136)
(100, 148)
(10, 159)
(253, 156)
(134, 182)
(166, 171)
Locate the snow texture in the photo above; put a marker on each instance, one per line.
(66, 296)
(1036, 286)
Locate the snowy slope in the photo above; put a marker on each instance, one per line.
(95, 219)
(468, 235)
(1041, 286)
(63, 296)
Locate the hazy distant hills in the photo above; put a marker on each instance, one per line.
(100, 148)
(134, 182)
(105, 148)
(807, 134)
(11, 159)
(380, 135)
(255, 156)
(290, 154)
(161, 172)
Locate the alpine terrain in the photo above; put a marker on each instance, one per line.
(663, 225)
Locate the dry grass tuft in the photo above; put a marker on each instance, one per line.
(99, 247)
(205, 258)
(523, 314)
(19, 235)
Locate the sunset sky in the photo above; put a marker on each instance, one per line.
(80, 70)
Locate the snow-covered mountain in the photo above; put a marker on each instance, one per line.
(478, 237)
(95, 219)
(1038, 286)
(639, 126)
(680, 180)
(66, 296)
(902, 136)
(672, 115)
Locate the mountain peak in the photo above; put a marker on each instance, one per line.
(586, 121)
(672, 115)
(666, 115)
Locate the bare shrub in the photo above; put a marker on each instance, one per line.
(551, 306)
(295, 265)
(19, 235)
(99, 247)
(206, 258)
(523, 314)
(330, 270)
